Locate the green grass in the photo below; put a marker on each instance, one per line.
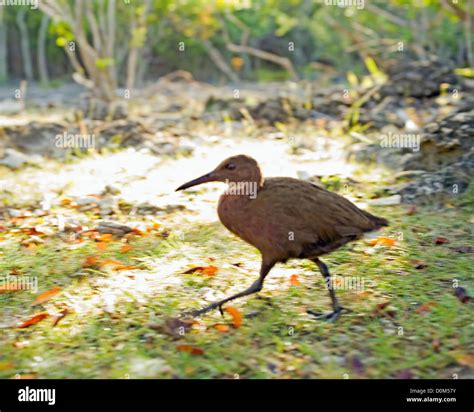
(277, 339)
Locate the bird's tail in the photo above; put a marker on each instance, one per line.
(378, 222)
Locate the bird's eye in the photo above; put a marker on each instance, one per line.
(230, 166)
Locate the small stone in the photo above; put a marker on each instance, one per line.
(14, 159)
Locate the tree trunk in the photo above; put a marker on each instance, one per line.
(138, 24)
(219, 61)
(24, 44)
(3, 47)
(42, 65)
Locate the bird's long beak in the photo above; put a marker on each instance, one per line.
(209, 177)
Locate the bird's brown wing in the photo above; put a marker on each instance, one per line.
(319, 218)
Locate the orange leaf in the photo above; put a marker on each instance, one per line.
(126, 267)
(221, 328)
(90, 261)
(294, 280)
(125, 248)
(46, 296)
(32, 246)
(26, 376)
(112, 262)
(236, 315)
(205, 270)
(193, 350)
(383, 241)
(426, 307)
(106, 237)
(465, 359)
(209, 270)
(33, 320)
(102, 246)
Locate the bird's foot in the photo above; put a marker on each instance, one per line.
(205, 309)
(329, 317)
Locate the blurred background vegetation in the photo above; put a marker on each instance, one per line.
(130, 42)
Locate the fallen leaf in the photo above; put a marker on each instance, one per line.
(193, 350)
(26, 376)
(205, 270)
(32, 246)
(383, 241)
(462, 294)
(102, 246)
(113, 262)
(440, 240)
(90, 261)
(425, 307)
(294, 280)
(33, 320)
(3, 228)
(61, 316)
(46, 296)
(221, 328)
(436, 344)
(465, 359)
(126, 267)
(125, 248)
(236, 315)
(106, 237)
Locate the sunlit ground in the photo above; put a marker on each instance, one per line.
(112, 313)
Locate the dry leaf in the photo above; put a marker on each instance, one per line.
(33, 320)
(102, 246)
(126, 267)
(294, 280)
(221, 328)
(125, 248)
(425, 307)
(236, 315)
(46, 296)
(465, 359)
(205, 270)
(106, 237)
(193, 350)
(90, 261)
(27, 376)
(440, 240)
(383, 241)
(61, 316)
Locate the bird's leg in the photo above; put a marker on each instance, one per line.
(333, 316)
(255, 287)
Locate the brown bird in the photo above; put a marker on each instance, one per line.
(284, 218)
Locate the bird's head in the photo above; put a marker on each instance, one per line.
(235, 169)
